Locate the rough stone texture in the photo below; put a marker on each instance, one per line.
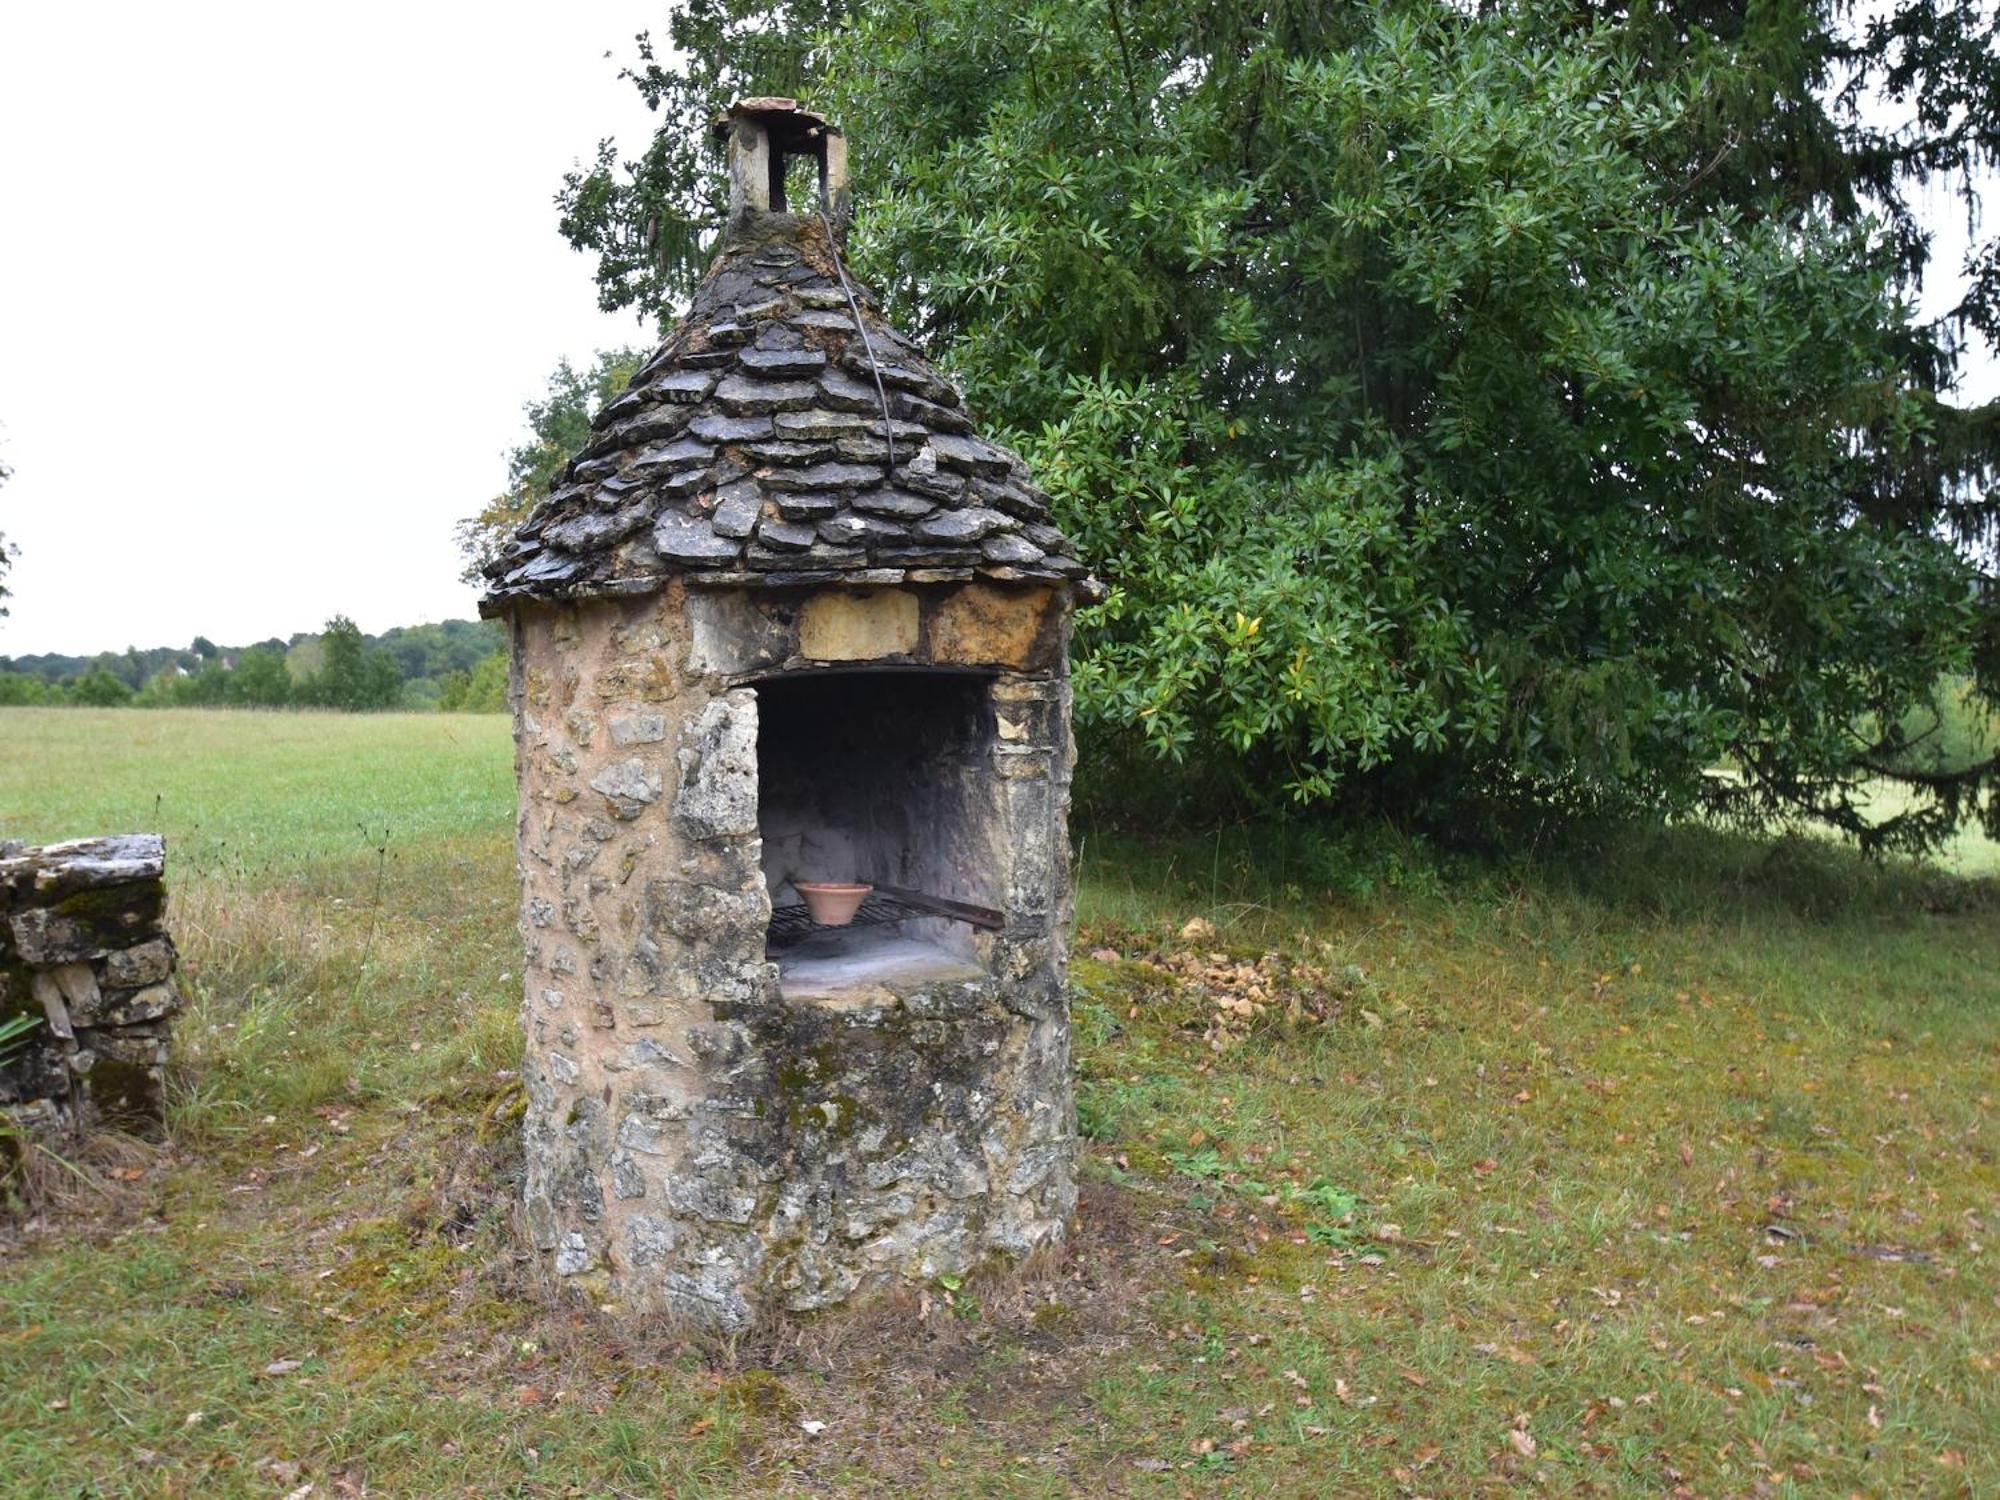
(83, 953)
(701, 1136)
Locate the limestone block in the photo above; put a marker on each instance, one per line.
(134, 968)
(88, 924)
(697, 913)
(838, 625)
(638, 729)
(718, 764)
(1022, 763)
(130, 1007)
(44, 875)
(728, 634)
(986, 626)
(629, 787)
(574, 1256)
(641, 679)
(69, 997)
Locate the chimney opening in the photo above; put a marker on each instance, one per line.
(782, 159)
(798, 181)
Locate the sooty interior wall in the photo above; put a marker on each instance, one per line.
(884, 777)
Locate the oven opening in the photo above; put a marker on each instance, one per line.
(883, 779)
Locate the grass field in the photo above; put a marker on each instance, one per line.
(1670, 1169)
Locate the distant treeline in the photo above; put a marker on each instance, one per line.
(456, 666)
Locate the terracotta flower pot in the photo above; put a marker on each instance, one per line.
(831, 903)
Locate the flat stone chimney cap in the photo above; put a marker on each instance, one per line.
(793, 127)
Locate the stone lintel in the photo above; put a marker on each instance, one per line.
(743, 635)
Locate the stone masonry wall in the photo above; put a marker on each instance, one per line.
(84, 954)
(696, 1142)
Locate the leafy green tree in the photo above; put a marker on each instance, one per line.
(20, 690)
(558, 425)
(352, 675)
(165, 689)
(448, 646)
(1466, 408)
(98, 688)
(260, 679)
(481, 690)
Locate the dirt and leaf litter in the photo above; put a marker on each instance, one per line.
(1238, 991)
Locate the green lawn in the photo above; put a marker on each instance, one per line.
(1669, 1169)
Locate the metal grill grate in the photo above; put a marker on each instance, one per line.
(886, 903)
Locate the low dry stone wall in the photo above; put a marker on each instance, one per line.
(84, 955)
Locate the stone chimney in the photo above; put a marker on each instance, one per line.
(760, 136)
(788, 620)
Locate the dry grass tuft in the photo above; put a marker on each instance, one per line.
(85, 1187)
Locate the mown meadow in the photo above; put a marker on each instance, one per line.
(1662, 1166)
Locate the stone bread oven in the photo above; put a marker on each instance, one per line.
(788, 618)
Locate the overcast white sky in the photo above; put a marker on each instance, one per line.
(274, 283)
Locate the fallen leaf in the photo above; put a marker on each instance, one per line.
(279, 1367)
(812, 1428)
(1522, 1442)
(700, 1425)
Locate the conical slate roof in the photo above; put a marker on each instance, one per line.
(753, 448)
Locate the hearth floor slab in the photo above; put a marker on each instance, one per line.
(829, 964)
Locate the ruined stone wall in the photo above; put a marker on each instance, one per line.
(84, 954)
(696, 1141)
